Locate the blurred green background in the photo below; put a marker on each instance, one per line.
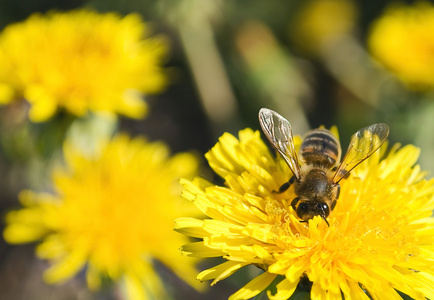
(227, 60)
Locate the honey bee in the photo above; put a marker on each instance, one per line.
(316, 181)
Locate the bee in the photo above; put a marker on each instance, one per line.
(316, 181)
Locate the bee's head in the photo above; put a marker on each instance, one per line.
(307, 210)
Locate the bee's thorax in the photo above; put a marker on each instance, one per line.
(314, 185)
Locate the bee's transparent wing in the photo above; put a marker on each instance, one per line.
(279, 132)
(363, 144)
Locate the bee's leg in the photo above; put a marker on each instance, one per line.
(285, 186)
(325, 221)
(332, 206)
(294, 202)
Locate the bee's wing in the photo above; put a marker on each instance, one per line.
(279, 132)
(363, 144)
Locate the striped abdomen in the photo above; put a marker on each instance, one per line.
(320, 148)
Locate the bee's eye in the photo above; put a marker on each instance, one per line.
(304, 211)
(303, 208)
(307, 210)
(323, 209)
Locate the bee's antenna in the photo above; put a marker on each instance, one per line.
(324, 218)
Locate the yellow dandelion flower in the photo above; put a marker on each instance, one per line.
(80, 61)
(113, 213)
(380, 237)
(320, 22)
(402, 41)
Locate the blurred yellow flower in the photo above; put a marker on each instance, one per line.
(320, 21)
(402, 40)
(380, 239)
(80, 61)
(113, 213)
